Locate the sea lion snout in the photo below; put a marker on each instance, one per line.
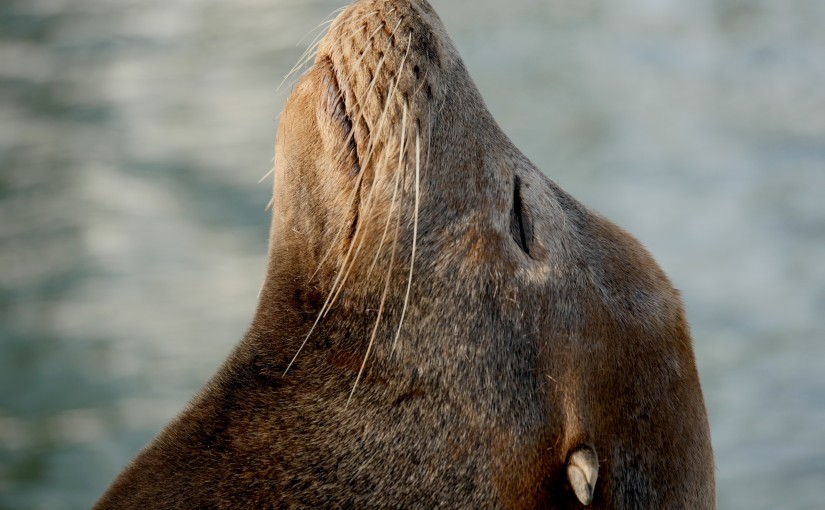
(396, 118)
(390, 145)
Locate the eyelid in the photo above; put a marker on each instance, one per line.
(521, 225)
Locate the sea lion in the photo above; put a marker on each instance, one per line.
(440, 325)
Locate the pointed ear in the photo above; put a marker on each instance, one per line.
(582, 472)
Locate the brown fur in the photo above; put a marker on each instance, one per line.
(533, 328)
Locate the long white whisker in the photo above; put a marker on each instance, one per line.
(415, 234)
(305, 57)
(328, 20)
(365, 164)
(395, 189)
(377, 321)
(393, 87)
(349, 259)
(344, 148)
(310, 52)
(326, 304)
(265, 177)
(371, 86)
(343, 224)
(346, 265)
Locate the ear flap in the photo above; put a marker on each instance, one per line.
(582, 472)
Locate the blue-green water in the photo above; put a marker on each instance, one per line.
(133, 232)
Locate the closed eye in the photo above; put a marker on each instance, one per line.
(521, 225)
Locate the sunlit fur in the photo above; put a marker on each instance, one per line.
(440, 325)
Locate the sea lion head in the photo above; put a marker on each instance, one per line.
(416, 251)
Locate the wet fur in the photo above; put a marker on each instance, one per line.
(440, 325)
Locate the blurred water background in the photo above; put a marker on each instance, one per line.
(133, 233)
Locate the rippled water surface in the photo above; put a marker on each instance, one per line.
(133, 232)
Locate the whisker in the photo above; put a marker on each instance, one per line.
(344, 148)
(390, 96)
(394, 85)
(305, 57)
(415, 234)
(326, 304)
(377, 320)
(265, 177)
(380, 65)
(356, 66)
(349, 258)
(394, 82)
(311, 51)
(395, 189)
(318, 37)
(330, 18)
(343, 224)
(350, 261)
(370, 40)
(393, 88)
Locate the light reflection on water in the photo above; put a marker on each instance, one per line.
(133, 233)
